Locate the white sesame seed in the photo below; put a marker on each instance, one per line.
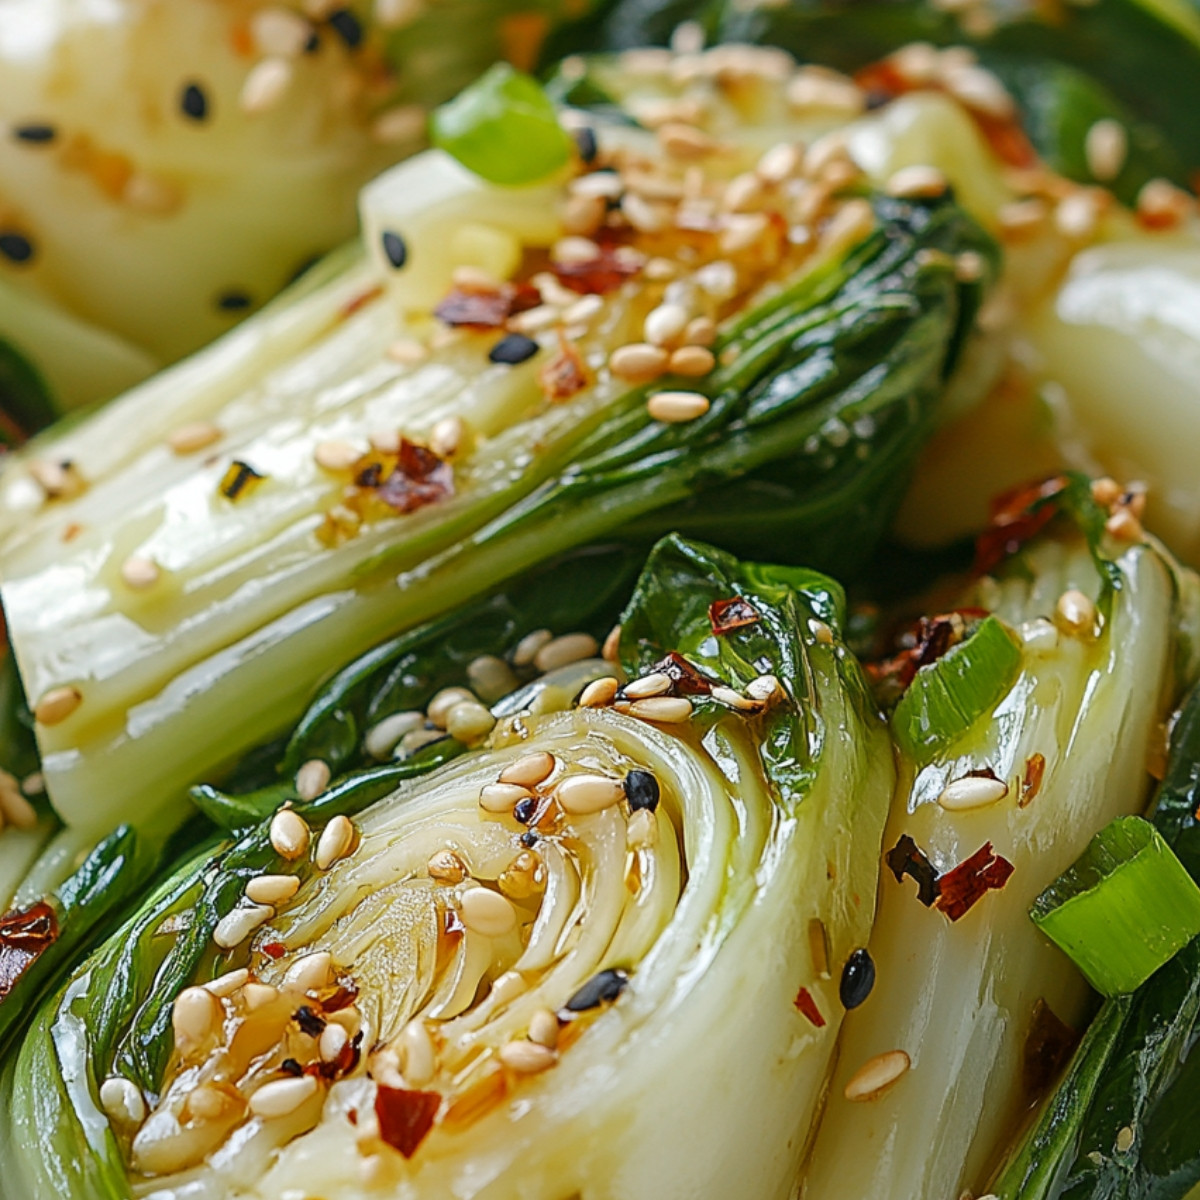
(673, 408)
(638, 362)
(718, 278)
(574, 250)
(973, 791)
(851, 224)
(312, 778)
(1124, 526)
(336, 456)
(440, 706)
(335, 842)
(1075, 613)
(350, 1019)
(535, 320)
(258, 995)
(56, 705)
(582, 794)
(654, 684)
(583, 215)
(1023, 216)
(527, 1058)
(876, 1075)
(404, 123)
(408, 352)
(643, 215)
(235, 927)
(282, 1097)
(311, 973)
(1125, 1139)
(602, 185)
(735, 700)
(766, 688)
(665, 324)
(195, 1017)
(743, 193)
(272, 889)
(229, 983)
(564, 650)
(685, 141)
(383, 736)
(122, 1100)
(599, 693)
(583, 310)
(1040, 635)
(416, 740)
(501, 797)
(529, 645)
(642, 831)
(290, 834)
(198, 435)
(821, 632)
(491, 677)
(151, 195)
(265, 85)
(333, 1040)
(665, 710)
(279, 31)
(487, 913)
(825, 150)
(446, 867)
(1105, 147)
(530, 769)
(140, 573)
(34, 784)
(780, 162)
(812, 90)
(692, 361)
(969, 266)
(917, 182)
(700, 332)
(918, 62)
(543, 1028)
(469, 722)
(979, 90)
(14, 808)
(742, 231)
(419, 1055)
(396, 14)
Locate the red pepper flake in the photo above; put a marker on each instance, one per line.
(347, 1059)
(907, 858)
(405, 1117)
(923, 644)
(275, 950)
(452, 924)
(346, 995)
(685, 679)
(356, 303)
(487, 308)
(960, 889)
(24, 937)
(736, 613)
(596, 276)
(808, 1006)
(564, 375)
(1035, 769)
(1016, 516)
(419, 478)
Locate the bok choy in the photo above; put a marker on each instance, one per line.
(519, 972)
(403, 432)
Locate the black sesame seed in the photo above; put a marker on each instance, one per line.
(395, 248)
(603, 987)
(528, 840)
(347, 26)
(290, 1066)
(858, 978)
(16, 247)
(39, 135)
(193, 102)
(313, 44)
(525, 810)
(512, 349)
(309, 1021)
(585, 142)
(641, 790)
(234, 300)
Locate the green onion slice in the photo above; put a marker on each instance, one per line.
(504, 128)
(947, 697)
(1124, 909)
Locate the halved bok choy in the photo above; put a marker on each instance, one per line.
(404, 432)
(521, 973)
(1029, 724)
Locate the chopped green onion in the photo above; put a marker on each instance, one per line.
(947, 697)
(1124, 909)
(504, 128)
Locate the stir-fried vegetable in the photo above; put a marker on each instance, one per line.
(518, 953)
(294, 494)
(969, 988)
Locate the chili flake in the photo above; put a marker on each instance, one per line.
(960, 889)
(24, 937)
(1031, 784)
(419, 478)
(596, 276)
(1016, 517)
(735, 613)
(274, 950)
(564, 374)
(685, 679)
(808, 1006)
(907, 858)
(405, 1116)
(486, 308)
(239, 479)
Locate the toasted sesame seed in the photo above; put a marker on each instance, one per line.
(34, 784)
(265, 85)
(665, 710)
(543, 1028)
(408, 352)
(272, 889)
(197, 435)
(195, 1017)
(642, 830)
(535, 320)
(530, 769)
(59, 480)
(335, 842)
(969, 266)
(1040, 635)
(644, 215)
(446, 867)
(487, 913)
(290, 834)
(394, 248)
(122, 1101)
(1078, 215)
(735, 700)
(917, 182)
(149, 194)
(383, 736)
(665, 324)
(336, 456)
(193, 102)
(1125, 1139)
(312, 778)
(279, 31)
(1023, 216)
(417, 739)
(469, 722)
(527, 1058)
(501, 797)
(582, 214)
(692, 361)
(979, 90)
(1161, 205)
(599, 693)
(419, 1055)
(818, 947)
(236, 926)
(583, 310)
(742, 231)
(673, 408)
(350, 1019)
(403, 123)
(528, 647)
(973, 791)
(810, 89)
(638, 362)
(441, 704)
(821, 632)
(743, 193)
(1106, 147)
(229, 983)
(654, 684)
(490, 677)
(851, 224)
(258, 995)
(876, 1075)
(1075, 612)
(14, 808)
(582, 794)
(1124, 526)
(564, 650)
(766, 688)
(523, 877)
(311, 973)
(685, 142)
(611, 650)
(1105, 491)
(56, 705)
(282, 1097)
